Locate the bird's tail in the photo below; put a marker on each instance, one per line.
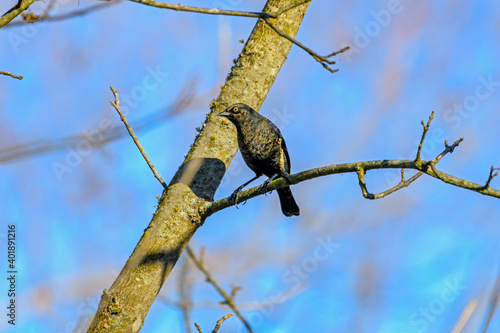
(288, 205)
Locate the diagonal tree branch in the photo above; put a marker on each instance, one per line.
(20, 7)
(126, 304)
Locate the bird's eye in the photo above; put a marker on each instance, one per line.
(236, 109)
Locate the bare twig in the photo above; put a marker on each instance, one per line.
(216, 11)
(116, 105)
(228, 299)
(220, 321)
(426, 129)
(405, 183)
(493, 174)
(12, 75)
(217, 325)
(323, 60)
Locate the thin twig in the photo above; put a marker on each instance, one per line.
(12, 75)
(217, 325)
(323, 60)
(220, 321)
(116, 105)
(493, 174)
(216, 11)
(426, 128)
(405, 183)
(228, 299)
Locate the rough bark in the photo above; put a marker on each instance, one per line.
(124, 307)
(14, 11)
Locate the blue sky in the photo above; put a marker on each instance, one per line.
(411, 262)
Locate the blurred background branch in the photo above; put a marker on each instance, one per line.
(98, 138)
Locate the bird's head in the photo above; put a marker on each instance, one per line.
(237, 113)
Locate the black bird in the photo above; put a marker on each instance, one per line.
(264, 151)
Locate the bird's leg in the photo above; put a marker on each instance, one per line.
(267, 182)
(286, 176)
(234, 196)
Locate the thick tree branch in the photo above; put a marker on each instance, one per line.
(126, 304)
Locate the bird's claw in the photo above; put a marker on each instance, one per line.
(234, 198)
(265, 185)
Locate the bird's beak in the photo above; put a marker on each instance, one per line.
(223, 114)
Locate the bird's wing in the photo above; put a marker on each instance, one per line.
(284, 151)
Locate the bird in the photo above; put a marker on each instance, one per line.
(264, 151)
